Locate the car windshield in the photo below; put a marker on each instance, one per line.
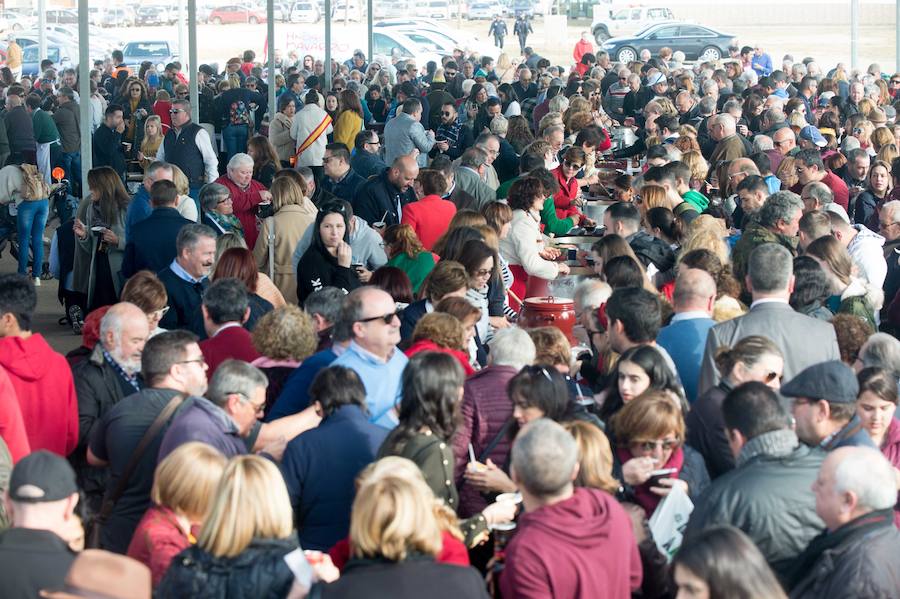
(643, 30)
(146, 49)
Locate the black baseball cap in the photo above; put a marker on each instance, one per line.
(42, 476)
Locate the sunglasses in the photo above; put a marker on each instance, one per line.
(446, 114)
(571, 164)
(484, 272)
(176, 110)
(387, 318)
(665, 444)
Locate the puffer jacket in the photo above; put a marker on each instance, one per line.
(867, 251)
(767, 496)
(259, 572)
(651, 250)
(861, 299)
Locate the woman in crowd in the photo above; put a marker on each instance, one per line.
(397, 536)
(136, 107)
(448, 279)
(851, 333)
(99, 229)
(321, 464)
(280, 130)
(878, 185)
(553, 349)
(753, 358)
(218, 209)
(153, 136)
(519, 133)
(284, 338)
(349, 121)
(246, 194)
(524, 248)
(430, 217)
(469, 316)
(265, 160)
(480, 263)
(327, 262)
(639, 369)
(622, 272)
(405, 251)
(432, 389)
(244, 540)
(238, 263)
(612, 246)
(649, 435)
(567, 199)
(875, 408)
(850, 294)
(662, 224)
(811, 289)
(377, 103)
(185, 204)
(293, 214)
(182, 492)
(441, 332)
(147, 292)
(396, 283)
(722, 561)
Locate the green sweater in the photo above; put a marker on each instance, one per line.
(415, 268)
(696, 199)
(552, 223)
(503, 190)
(45, 129)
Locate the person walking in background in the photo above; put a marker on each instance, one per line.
(522, 28)
(498, 30)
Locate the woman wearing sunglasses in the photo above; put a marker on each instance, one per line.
(753, 358)
(327, 262)
(649, 435)
(568, 198)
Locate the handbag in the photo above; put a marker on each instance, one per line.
(270, 223)
(110, 499)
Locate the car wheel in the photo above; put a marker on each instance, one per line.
(253, 20)
(601, 35)
(216, 21)
(626, 55)
(710, 53)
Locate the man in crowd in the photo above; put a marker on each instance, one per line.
(570, 542)
(46, 135)
(34, 552)
(785, 142)
(752, 193)
(68, 122)
(857, 555)
(110, 373)
(890, 228)
(186, 278)
(41, 377)
(140, 208)
(452, 137)
(371, 315)
(109, 149)
(187, 145)
(521, 29)
(404, 134)
(855, 171)
(470, 177)
(864, 247)
(778, 221)
(811, 168)
(366, 161)
(729, 146)
(624, 219)
(803, 341)
(381, 198)
(767, 494)
(152, 243)
(339, 179)
(693, 300)
(824, 406)
(226, 307)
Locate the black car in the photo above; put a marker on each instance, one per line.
(696, 41)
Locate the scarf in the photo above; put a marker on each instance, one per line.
(643, 496)
(227, 222)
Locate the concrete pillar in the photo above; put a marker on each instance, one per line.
(270, 62)
(326, 85)
(193, 89)
(84, 90)
(42, 29)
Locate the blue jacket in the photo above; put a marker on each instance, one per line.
(320, 467)
(151, 244)
(365, 164)
(294, 396)
(762, 64)
(685, 340)
(138, 210)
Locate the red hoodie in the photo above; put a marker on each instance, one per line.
(12, 428)
(580, 548)
(43, 383)
(581, 48)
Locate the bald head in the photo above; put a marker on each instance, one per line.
(695, 290)
(784, 140)
(124, 330)
(403, 172)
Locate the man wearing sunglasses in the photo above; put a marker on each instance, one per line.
(371, 315)
(187, 145)
(452, 137)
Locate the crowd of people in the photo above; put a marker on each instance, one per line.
(303, 370)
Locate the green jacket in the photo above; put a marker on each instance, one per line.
(696, 199)
(415, 268)
(45, 130)
(552, 223)
(503, 190)
(753, 236)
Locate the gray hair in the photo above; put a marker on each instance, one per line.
(770, 268)
(707, 105)
(882, 350)
(190, 235)
(306, 173)
(473, 158)
(512, 347)
(774, 116)
(544, 457)
(819, 192)
(115, 317)
(761, 143)
(240, 159)
(559, 103)
(482, 140)
(780, 206)
(210, 194)
(154, 169)
(590, 293)
(235, 377)
(499, 125)
(866, 473)
(325, 302)
(892, 208)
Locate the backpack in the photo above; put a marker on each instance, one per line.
(33, 185)
(239, 113)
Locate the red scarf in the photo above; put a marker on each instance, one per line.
(644, 497)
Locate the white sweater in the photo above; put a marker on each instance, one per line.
(522, 245)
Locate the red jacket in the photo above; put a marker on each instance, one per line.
(161, 109)
(580, 548)
(891, 450)
(245, 202)
(836, 185)
(453, 551)
(581, 48)
(562, 199)
(157, 539)
(12, 427)
(429, 218)
(232, 342)
(429, 345)
(43, 384)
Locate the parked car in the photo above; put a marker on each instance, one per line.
(433, 9)
(443, 42)
(159, 52)
(627, 21)
(60, 16)
(485, 10)
(521, 7)
(391, 8)
(118, 17)
(14, 21)
(226, 15)
(407, 23)
(305, 12)
(348, 9)
(62, 55)
(151, 15)
(696, 41)
(387, 42)
(95, 15)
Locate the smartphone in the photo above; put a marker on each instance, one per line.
(658, 475)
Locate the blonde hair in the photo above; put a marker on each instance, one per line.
(186, 479)
(887, 154)
(697, 163)
(226, 241)
(251, 502)
(285, 333)
(594, 457)
(393, 514)
(154, 119)
(881, 137)
(707, 232)
(287, 192)
(182, 185)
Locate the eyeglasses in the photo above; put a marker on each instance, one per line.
(373, 143)
(158, 314)
(570, 164)
(387, 318)
(257, 407)
(484, 272)
(223, 200)
(895, 82)
(665, 444)
(176, 110)
(136, 89)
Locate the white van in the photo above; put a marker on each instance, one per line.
(433, 9)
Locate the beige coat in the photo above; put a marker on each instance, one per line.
(280, 136)
(291, 223)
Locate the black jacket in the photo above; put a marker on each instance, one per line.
(152, 242)
(769, 498)
(317, 269)
(259, 572)
(378, 198)
(409, 579)
(108, 150)
(651, 250)
(507, 163)
(344, 189)
(19, 130)
(706, 431)
(32, 560)
(365, 164)
(408, 319)
(184, 303)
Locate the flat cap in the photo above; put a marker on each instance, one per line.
(832, 381)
